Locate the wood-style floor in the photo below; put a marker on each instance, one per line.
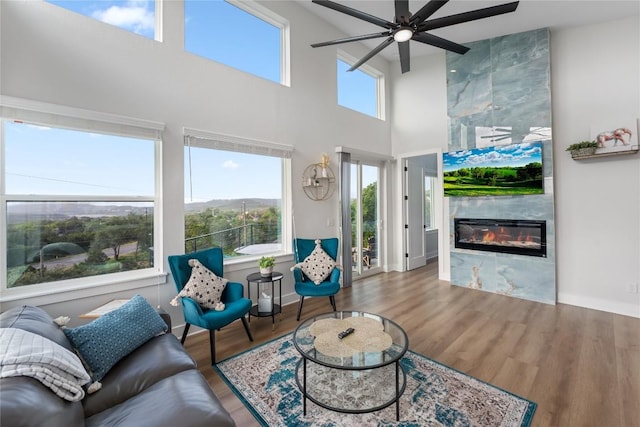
(581, 366)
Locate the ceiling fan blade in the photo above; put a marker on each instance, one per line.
(440, 42)
(356, 14)
(405, 58)
(352, 39)
(402, 11)
(468, 16)
(426, 11)
(373, 53)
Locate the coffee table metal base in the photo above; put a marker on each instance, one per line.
(350, 391)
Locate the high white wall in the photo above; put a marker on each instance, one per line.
(595, 75)
(418, 126)
(52, 55)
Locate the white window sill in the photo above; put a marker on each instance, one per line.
(49, 293)
(243, 263)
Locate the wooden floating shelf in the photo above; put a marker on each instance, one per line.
(634, 150)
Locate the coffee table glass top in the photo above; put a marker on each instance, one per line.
(374, 342)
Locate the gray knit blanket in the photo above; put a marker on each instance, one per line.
(23, 353)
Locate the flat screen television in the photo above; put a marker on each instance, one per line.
(503, 170)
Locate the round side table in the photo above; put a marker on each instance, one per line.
(257, 279)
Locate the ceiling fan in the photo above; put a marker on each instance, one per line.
(408, 26)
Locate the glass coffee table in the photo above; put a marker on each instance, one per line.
(351, 362)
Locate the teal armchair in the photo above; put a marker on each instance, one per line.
(304, 287)
(236, 306)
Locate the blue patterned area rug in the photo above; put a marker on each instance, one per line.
(436, 395)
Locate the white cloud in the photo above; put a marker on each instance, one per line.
(230, 164)
(133, 16)
(461, 153)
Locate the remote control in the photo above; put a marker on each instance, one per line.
(345, 333)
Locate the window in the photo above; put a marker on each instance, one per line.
(243, 35)
(359, 89)
(76, 203)
(429, 211)
(137, 16)
(236, 195)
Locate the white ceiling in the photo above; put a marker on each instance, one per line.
(530, 15)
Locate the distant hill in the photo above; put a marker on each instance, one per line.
(62, 210)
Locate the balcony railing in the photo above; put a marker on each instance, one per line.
(233, 238)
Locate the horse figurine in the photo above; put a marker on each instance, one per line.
(615, 135)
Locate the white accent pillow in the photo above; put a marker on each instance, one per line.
(203, 286)
(318, 265)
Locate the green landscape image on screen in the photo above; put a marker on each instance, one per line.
(494, 171)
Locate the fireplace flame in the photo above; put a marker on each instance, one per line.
(524, 237)
(501, 236)
(489, 236)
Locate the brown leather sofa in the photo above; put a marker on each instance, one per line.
(156, 385)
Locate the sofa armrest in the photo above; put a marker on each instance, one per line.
(35, 320)
(26, 402)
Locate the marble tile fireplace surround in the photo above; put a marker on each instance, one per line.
(503, 86)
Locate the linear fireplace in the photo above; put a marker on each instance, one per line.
(512, 236)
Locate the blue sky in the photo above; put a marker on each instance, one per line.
(508, 155)
(212, 170)
(211, 31)
(356, 90)
(34, 163)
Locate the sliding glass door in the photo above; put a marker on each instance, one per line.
(365, 215)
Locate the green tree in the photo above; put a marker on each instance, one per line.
(369, 212)
(95, 255)
(370, 203)
(535, 170)
(115, 232)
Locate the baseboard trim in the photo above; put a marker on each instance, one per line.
(625, 309)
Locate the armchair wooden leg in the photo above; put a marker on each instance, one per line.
(300, 307)
(246, 328)
(212, 344)
(332, 298)
(184, 333)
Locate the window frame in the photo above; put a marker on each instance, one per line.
(222, 142)
(270, 17)
(374, 73)
(44, 114)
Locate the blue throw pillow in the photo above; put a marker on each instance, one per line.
(111, 337)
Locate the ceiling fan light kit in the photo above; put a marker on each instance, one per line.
(403, 34)
(407, 26)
